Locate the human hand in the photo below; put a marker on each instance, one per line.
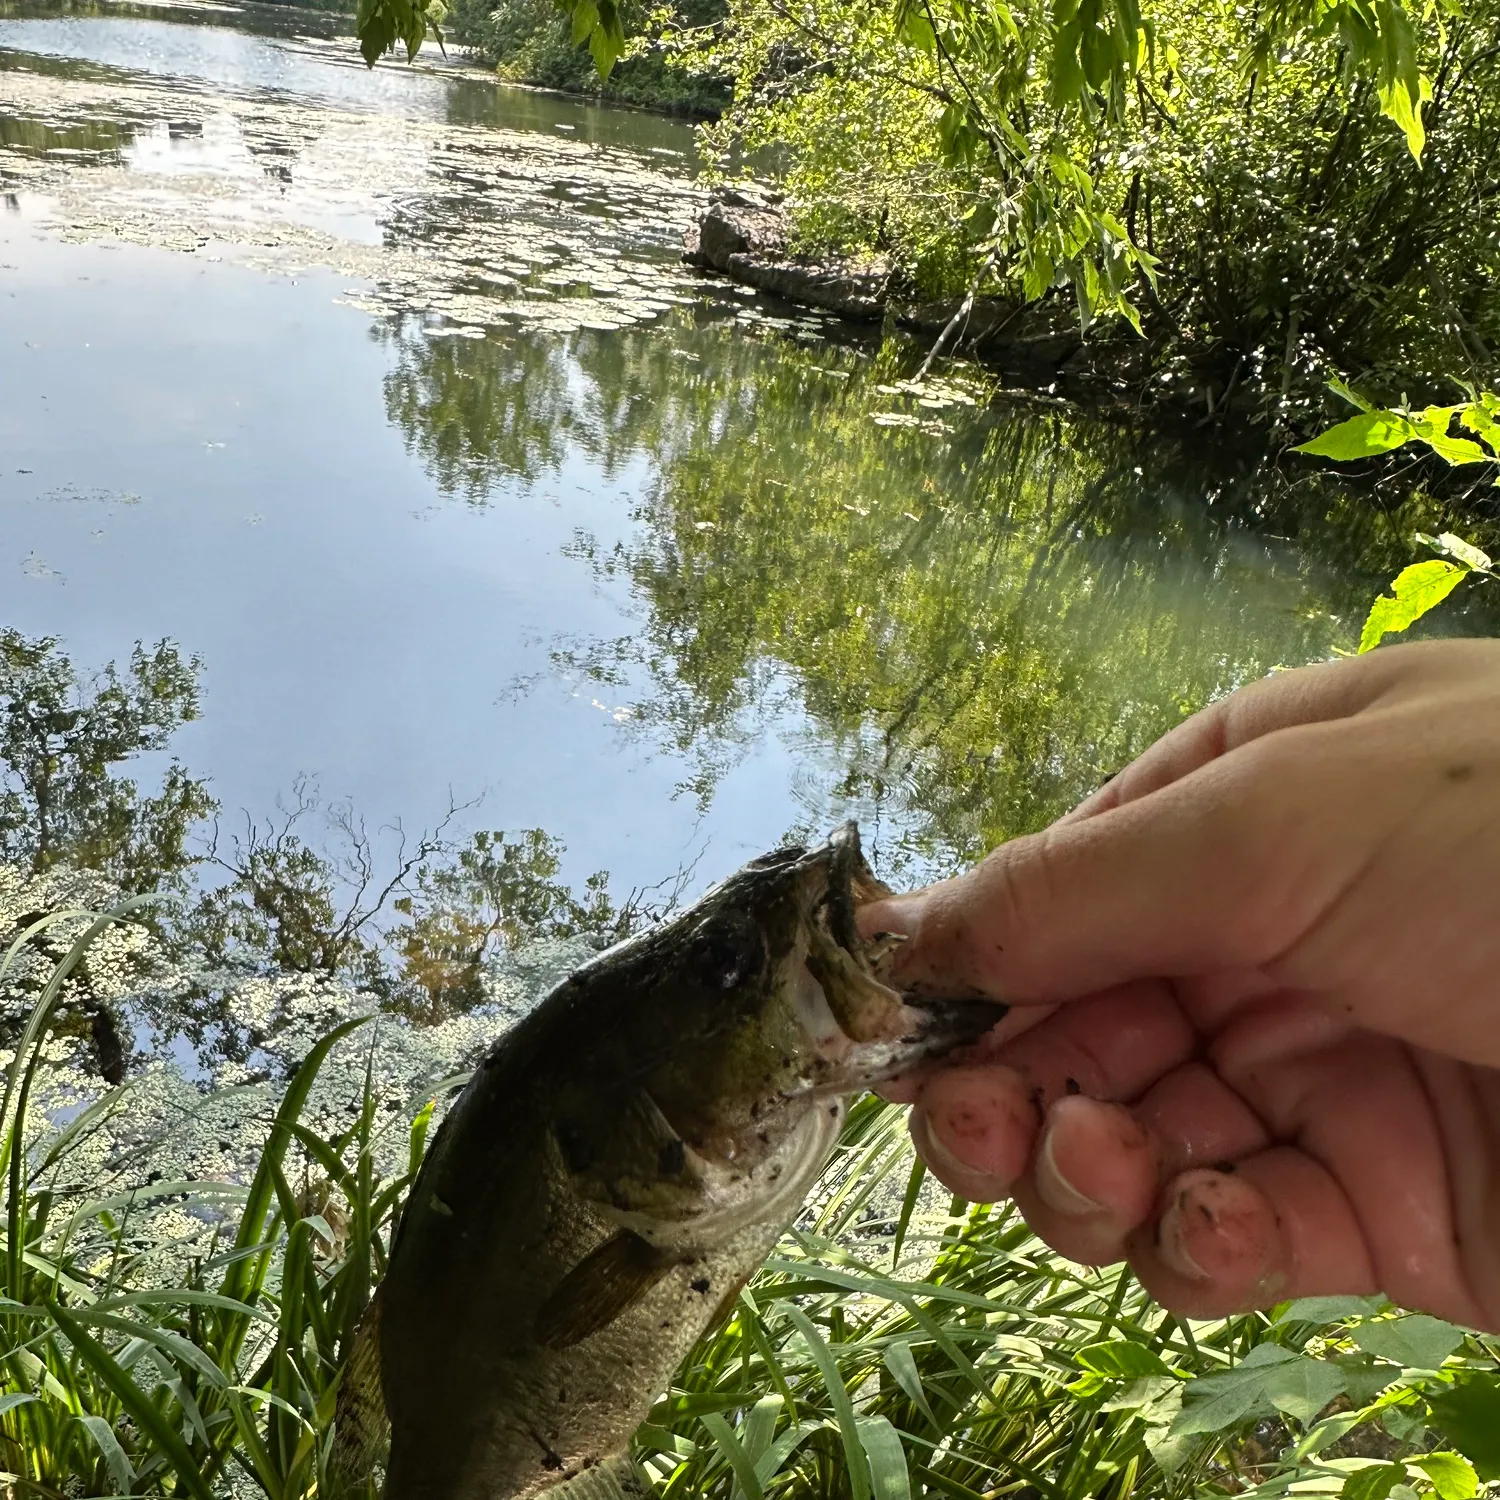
(1256, 1043)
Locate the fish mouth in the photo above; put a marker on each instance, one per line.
(938, 1028)
(862, 1030)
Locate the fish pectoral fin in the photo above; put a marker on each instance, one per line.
(601, 1287)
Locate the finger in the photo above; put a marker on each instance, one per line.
(1216, 871)
(1279, 1227)
(1357, 1105)
(1318, 693)
(975, 1128)
(1199, 1121)
(1464, 1108)
(1109, 1046)
(1093, 1181)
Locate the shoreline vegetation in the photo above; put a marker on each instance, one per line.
(183, 1270)
(1233, 209)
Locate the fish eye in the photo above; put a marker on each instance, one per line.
(726, 955)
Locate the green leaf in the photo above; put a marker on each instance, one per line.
(1417, 1341)
(1404, 1424)
(1353, 397)
(585, 18)
(838, 1397)
(1469, 1417)
(1361, 437)
(1217, 1402)
(111, 1452)
(1303, 1387)
(1452, 1476)
(1375, 1482)
(889, 1477)
(1458, 450)
(899, 1361)
(1136, 1394)
(1417, 589)
(915, 29)
(1122, 1360)
(1363, 1378)
(734, 1454)
(138, 1405)
(1323, 1310)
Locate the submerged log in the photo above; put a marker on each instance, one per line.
(747, 238)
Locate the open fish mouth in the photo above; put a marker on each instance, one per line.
(862, 1030)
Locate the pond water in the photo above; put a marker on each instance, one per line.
(386, 395)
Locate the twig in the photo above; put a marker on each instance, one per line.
(961, 314)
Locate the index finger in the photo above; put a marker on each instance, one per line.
(1218, 849)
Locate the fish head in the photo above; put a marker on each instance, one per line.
(813, 1008)
(755, 1013)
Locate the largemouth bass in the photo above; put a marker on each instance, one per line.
(618, 1167)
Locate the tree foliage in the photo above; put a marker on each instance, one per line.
(62, 738)
(1272, 194)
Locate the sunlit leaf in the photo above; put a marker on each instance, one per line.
(1361, 437)
(1416, 590)
(1452, 1476)
(1122, 1359)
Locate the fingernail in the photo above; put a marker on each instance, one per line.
(943, 1161)
(1053, 1187)
(1193, 1206)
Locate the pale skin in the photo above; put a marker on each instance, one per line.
(1255, 1049)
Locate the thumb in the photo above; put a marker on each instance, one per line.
(1225, 868)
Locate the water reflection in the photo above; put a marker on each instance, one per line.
(97, 142)
(418, 921)
(970, 617)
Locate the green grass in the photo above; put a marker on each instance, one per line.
(897, 1345)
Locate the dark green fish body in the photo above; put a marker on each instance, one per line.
(621, 1163)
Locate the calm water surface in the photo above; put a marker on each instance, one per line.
(385, 394)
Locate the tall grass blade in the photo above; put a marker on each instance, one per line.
(138, 1405)
(889, 1477)
(745, 1480)
(838, 1397)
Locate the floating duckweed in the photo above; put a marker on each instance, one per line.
(291, 185)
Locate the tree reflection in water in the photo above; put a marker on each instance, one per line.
(968, 617)
(417, 924)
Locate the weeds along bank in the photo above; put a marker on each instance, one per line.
(532, 41)
(1235, 202)
(184, 1259)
